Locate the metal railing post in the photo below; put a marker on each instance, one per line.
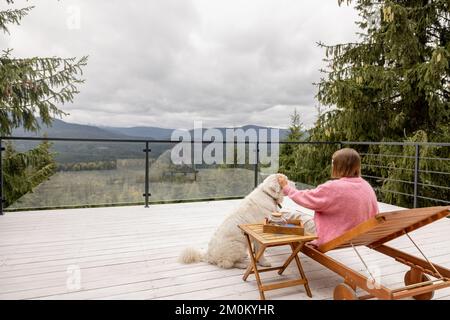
(1, 178)
(147, 192)
(256, 163)
(194, 168)
(416, 172)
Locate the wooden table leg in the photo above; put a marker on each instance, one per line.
(250, 266)
(248, 271)
(300, 268)
(254, 265)
(291, 257)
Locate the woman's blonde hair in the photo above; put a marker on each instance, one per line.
(346, 162)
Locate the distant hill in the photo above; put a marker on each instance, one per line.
(71, 152)
(164, 133)
(62, 129)
(282, 132)
(141, 132)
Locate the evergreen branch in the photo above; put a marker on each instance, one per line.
(321, 44)
(29, 87)
(42, 102)
(36, 85)
(443, 17)
(436, 36)
(388, 99)
(42, 174)
(12, 16)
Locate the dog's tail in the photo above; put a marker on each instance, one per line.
(191, 255)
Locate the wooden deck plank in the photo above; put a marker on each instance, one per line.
(165, 250)
(100, 273)
(131, 253)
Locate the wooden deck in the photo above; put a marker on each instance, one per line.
(131, 253)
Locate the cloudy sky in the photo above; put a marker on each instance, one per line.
(169, 62)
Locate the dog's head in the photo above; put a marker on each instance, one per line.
(271, 186)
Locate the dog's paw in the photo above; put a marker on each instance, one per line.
(264, 263)
(225, 264)
(241, 265)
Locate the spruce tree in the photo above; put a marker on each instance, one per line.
(391, 85)
(396, 79)
(288, 151)
(36, 86)
(31, 88)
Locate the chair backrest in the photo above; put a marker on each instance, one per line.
(386, 226)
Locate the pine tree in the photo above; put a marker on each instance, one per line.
(296, 130)
(30, 88)
(391, 85)
(288, 151)
(396, 80)
(25, 170)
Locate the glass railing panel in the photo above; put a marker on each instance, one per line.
(170, 180)
(101, 173)
(88, 174)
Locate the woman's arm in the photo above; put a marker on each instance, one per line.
(316, 199)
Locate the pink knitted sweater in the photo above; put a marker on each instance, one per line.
(339, 205)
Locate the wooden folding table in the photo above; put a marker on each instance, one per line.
(254, 233)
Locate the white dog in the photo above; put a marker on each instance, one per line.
(228, 247)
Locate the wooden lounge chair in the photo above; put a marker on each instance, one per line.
(374, 233)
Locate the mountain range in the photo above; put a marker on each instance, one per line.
(62, 129)
(73, 152)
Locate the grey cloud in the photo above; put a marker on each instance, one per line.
(168, 62)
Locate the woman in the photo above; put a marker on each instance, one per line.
(339, 204)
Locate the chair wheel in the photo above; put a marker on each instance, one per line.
(409, 280)
(344, 292)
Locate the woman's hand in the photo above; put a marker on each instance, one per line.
(282, 181)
